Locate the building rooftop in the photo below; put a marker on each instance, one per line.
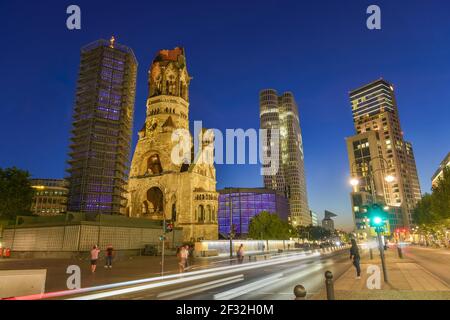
(109, 43)
(444, 163)
(371, 84)
(170, 55)
(253, 190)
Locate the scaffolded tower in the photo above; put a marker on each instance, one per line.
(102, 128)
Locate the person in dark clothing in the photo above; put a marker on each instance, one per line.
(354, 254)
(109, 256)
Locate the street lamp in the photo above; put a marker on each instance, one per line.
(389, 178)
(354, 182)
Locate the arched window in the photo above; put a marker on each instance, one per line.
(174, 212)
(201, 213)
(208, 213)
(155, 201)
(154, 165)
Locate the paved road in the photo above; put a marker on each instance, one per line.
(437, 261)
(124, 269)
(272, 279)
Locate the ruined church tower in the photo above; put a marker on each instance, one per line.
(185, 192)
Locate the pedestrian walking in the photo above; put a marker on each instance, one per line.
(109, 256)
(354, 255)
(188, 253)
(191, 255)
(240, 253)
(182, 255)
(94, 257)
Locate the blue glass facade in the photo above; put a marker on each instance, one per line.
(246, 203)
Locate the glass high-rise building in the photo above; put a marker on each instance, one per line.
(381, 161)
(102, 128)
(239, 205)
(280, 112)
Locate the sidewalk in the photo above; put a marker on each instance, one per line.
(407, 281)
(124, 269)
(132, 268)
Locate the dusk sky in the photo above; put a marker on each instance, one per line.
(318, 50)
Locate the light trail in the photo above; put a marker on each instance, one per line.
(175, 294)
(239, 291)
(194, 275)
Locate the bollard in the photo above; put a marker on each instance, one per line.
(329, 285)
(371, 254)
(400, 252)
(300, 292)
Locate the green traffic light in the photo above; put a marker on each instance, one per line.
(377, 221)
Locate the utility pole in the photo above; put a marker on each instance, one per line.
(381, 248)
(163, 245)
(231, 227)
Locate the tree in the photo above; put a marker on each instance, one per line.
(314, 233)
(440, 203)
(268, 226)
(422, 213)
(16, 193)
(434, 209)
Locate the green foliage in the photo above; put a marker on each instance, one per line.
(422, 213)
(267, 226)
(440, 203)
(16, 193)
(313, 233)
(434, 209)
(344, 236)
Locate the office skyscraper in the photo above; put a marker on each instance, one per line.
(102, 127)
(379, 150)
(281, 112)
(440, 171)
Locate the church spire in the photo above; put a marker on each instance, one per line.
(168, 74)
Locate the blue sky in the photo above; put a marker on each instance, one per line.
(319, 51)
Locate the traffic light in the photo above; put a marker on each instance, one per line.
(377, 217)
(167, 226)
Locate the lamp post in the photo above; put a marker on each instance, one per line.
(355, 181)
(163, 237)
(381, 248)
(376, 220)
(232, 233)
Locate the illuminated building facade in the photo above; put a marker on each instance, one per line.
(102, 127)
(50, 197)
(327, 221)
(159, 187)
(245, 203)
(439, 172)
(281, 113)
(381, 162)
(314, 219)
